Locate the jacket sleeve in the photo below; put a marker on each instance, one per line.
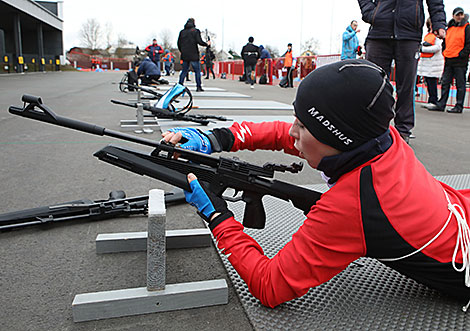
(160, 49)
(198, 38)
(437, 14)
(367, 10)
(348, 35)
(466, 48)
(432, 49)
(141, 69)
(321, 248)
(148, 48)
(265, 135)
(178, 43)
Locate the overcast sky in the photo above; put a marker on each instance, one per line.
(273, 23)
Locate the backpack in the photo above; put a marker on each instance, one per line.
(283, 82)
(263, 79)
(165, 102)
(132, 79)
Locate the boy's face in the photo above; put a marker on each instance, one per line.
(309, 147)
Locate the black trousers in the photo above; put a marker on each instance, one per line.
(451, 72)
(290, 75)
(406, 55)
(431, 82)
(209, 69)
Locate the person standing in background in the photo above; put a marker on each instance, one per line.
(210, 57)
(288, 63)
(456, 48)
(250, 55)
(395, 34)
(431, 64)
(168, 60)
(188, 41)
(350, 42)
(154, 50)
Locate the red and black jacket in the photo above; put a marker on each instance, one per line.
(386, 207)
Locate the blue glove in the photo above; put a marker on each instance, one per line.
(194, 140)
(207, 203)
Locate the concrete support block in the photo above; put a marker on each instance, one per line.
(135, 301)
(156, 241)
(137, 241)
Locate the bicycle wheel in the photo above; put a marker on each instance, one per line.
(123, 87)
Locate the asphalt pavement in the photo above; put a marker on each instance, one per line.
(44, 267)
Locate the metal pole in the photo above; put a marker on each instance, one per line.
(18, 46)
(40, 47)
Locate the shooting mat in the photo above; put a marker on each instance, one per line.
(365, 296)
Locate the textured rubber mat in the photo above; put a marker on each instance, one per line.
(366, 296)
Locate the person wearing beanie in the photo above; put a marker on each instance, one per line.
(382, 202)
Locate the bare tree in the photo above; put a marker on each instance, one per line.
(122, 40)
(166, 37)
(90, 33)
(108, 31)
(272, 50)
(209, 35)
(312, 45)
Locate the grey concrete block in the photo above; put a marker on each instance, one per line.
(135, 301)
(137, 241)
(156, 241)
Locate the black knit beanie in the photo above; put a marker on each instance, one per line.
(346, 103)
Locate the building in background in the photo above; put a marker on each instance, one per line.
(30, 35)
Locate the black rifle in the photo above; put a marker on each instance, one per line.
(219, 172)
(116, 206)
(165, 113)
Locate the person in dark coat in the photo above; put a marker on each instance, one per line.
(149, 70)
(250, 55)
(188, 41)
(210, 57)
(395, 34)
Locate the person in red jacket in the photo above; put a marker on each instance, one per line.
(382, 202)
(154, 50)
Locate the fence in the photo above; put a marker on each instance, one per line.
(87, 61)
(422, 95)
(274, 68)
